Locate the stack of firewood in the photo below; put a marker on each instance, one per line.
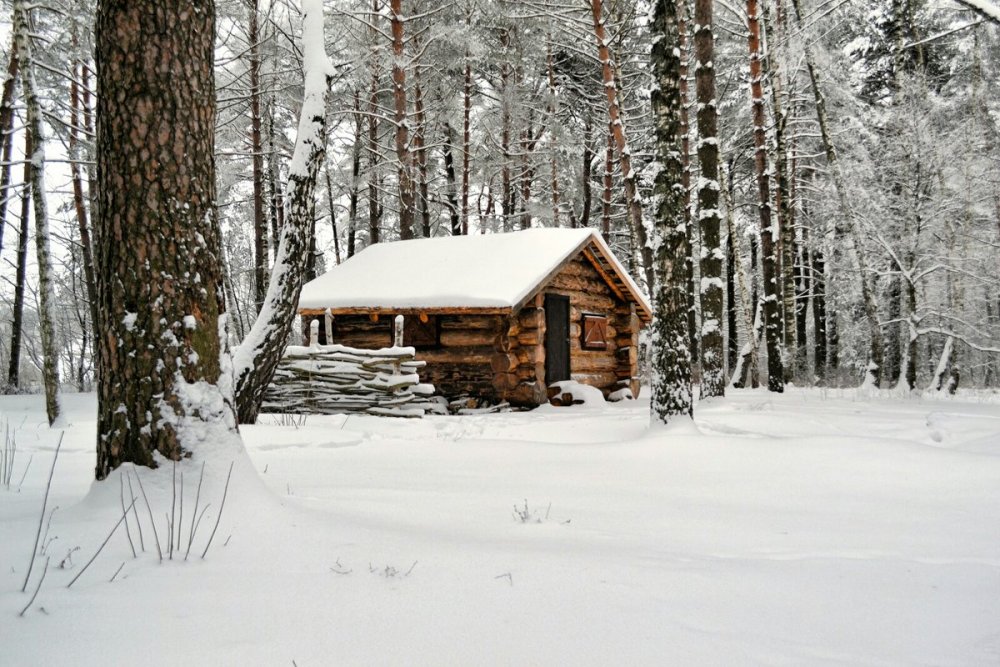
(328, 379)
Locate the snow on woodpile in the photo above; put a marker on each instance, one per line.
(493, 270)
(329, 379)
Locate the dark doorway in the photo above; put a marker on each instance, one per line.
(556, 338)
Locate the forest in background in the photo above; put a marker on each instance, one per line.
(881, 165)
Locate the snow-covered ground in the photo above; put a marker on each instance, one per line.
(810, 528)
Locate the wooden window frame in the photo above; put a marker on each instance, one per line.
(587, 321)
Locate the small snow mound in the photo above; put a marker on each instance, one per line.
(621, 395)
(570, 392)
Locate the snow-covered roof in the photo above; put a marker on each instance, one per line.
(492, 271)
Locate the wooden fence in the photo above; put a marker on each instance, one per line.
(329, 379)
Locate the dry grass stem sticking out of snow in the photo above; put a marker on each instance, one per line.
(7, 456)
(41, 519)
(101, 548)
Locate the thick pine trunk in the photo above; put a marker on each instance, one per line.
(161, 304)
(769, 255)
(783, 198)
(671, 358)
(713, 381)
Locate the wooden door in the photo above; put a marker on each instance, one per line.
(556, 338)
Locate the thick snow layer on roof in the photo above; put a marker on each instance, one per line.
(479, 271)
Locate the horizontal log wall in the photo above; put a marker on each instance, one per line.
(462, 364)
(609, 369)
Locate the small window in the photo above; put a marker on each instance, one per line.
(595, 332)
(419, 333)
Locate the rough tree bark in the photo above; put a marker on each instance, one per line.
(260, 236)
(159, 272)
(671, 358)
(713, 381)
(404, 170)
(769, 263)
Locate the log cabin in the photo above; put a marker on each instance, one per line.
(497, 317)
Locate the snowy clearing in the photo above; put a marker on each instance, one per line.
(815, 527)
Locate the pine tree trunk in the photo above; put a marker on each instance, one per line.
(783, 199)
(21, 275)
(260, 246)
(36, 161)
(7, 134)
(404, 170)
(671, 360)
(693, 228)
(331, 206)
(352, 206)
(374, 204)
(820, 342)
(79, 201)
(161, 305)
(609, 166)
(768, 233)
(258, 355)
(466, 137)
(621, 143)
(713, 356)
(451, 180)
(586, 172)
(420, 149)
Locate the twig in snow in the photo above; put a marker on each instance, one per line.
(340, 569)
(135, 514)
(101, 548)
(25, 474)
(219, 516)
(45, 536)
(180, 517)
(37, 588)
(67, 561)
(45, 501)
(121, 496)
(152, 523)
(173, 507)
(195, 519)
(115, 575)
(226, 543)
(506, 575)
